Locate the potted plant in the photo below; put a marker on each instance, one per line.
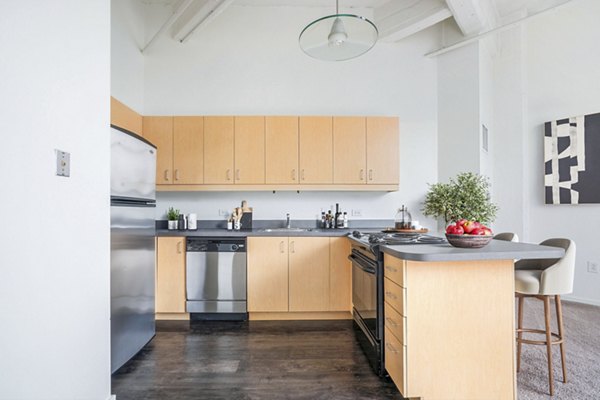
(466, 197)
(172, 217)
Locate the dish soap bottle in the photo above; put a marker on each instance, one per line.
(403, 219)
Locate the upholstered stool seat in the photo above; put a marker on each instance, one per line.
(542, 279)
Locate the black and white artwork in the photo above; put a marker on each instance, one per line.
(572, 160)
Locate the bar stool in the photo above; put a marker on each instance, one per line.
(507, 236)
(542, 279)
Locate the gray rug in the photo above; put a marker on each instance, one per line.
(582, 334)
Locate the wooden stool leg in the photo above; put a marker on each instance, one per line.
(549, 342)
(560, 333)
(521, 300)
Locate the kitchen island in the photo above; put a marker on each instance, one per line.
(449, 318)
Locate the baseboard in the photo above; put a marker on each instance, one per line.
(283, 316)
(582, 300)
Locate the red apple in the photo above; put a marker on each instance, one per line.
(477, 231)
(454, 230)
(487, 231)
(468, 226)
(461, 222)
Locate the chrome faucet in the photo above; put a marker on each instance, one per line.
(288, 223)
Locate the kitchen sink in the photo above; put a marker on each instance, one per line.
(286, 230)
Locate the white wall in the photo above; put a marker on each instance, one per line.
(563, 80)
(458, 104)
(127, 37)
(54, 263)
(559, 77)
(248, 62)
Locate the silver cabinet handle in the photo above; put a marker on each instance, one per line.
(391, 321)
(362, 174)
(176, 174)
(166, 175)
(228, 174)
(292, 247)
(391, 348)
(391, 295)
(302, 174)
(392, 269)
(294, 174)
(179, 247)
(370, 174)
(281, 246)
(237, 174)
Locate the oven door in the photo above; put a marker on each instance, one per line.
(364, 293)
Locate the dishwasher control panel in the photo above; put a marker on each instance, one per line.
(220, 245)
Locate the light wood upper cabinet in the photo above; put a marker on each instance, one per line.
(349, 150)
(170, 275)
(316, 150)
(382, 150)
(340, 275)
(159, 131)
(249, 150)
(267, 260)
(281, 150)
(124, 117)
(309, 273)
(218, 150)
(188, 150)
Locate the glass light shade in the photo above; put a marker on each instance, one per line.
(338, 37)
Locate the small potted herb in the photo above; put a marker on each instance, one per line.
(172, 216)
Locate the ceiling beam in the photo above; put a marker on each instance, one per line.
(468, 15)
(396, 20)
(199, 17)
(177, 13)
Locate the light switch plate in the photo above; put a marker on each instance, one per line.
(63, 163)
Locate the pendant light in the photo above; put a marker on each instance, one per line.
(338, 37)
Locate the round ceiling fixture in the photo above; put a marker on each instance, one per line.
(338, 37)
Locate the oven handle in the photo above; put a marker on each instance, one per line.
(356, 260)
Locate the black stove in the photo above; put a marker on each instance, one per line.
(391, 238)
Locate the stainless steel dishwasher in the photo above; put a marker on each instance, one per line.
(216, 278)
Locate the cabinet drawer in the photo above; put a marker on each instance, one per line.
(395, 269)
(395, 361)
(396, 323)
(394, 295)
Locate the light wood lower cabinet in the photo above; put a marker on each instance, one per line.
(449, 328)
(267, 259)
(299, 275)
(170, 275)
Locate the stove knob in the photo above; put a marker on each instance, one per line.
(234, 247)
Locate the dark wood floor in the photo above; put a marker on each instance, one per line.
(251, 360)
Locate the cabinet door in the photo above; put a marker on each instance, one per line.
(249, 150)
(159, 131)
(188, 150)
(281, 146)
(340, 275)
(218, 150)
(170, 275)
(267, 274)
(382, 150)
(309, 273)
(349, 150)
(316, 150)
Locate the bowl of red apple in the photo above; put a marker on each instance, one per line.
(468, 234)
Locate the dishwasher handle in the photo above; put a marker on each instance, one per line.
(216, 245)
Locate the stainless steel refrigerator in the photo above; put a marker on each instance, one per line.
(132, 244)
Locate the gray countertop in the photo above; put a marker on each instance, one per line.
(495, 250)
(257, 232)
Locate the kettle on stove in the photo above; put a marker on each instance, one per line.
(403, 219)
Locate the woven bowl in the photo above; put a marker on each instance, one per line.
(469, 241)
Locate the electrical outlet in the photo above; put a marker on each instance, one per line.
(357, 213)
(63, 163)
(592, 267)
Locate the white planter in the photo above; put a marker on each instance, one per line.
(172, 225)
